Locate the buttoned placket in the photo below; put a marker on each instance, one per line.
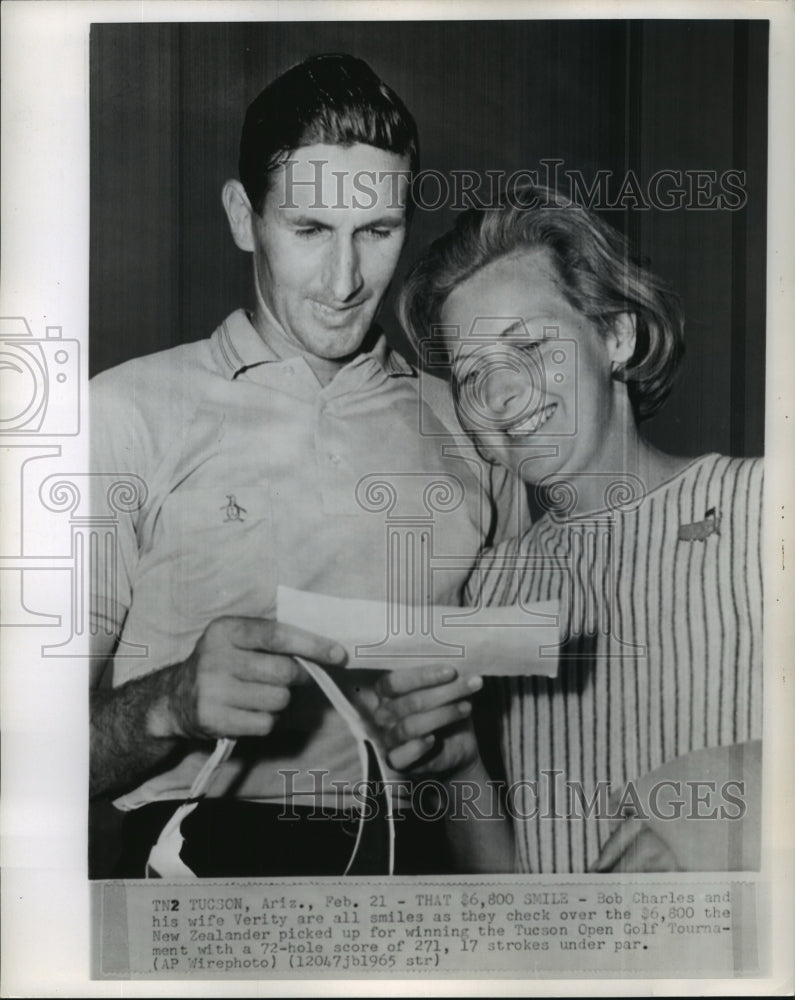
(334, 469)
(328, 452)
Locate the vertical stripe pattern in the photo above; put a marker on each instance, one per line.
(663, 655)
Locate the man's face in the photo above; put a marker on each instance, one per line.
(327, 243)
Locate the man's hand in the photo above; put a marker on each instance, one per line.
(237, 679)
(235, 683)
(424, 715)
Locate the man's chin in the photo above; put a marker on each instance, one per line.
(341, 353)
(341, 344)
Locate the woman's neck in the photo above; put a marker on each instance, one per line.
(625, 466)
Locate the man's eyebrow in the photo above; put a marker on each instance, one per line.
(308, 220)
(385, 222)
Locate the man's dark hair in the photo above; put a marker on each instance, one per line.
(332, 99)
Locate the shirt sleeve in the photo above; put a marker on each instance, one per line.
(118, 494)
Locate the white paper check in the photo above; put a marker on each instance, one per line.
(503, 641)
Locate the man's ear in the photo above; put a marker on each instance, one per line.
(239, 213)
(621, 338)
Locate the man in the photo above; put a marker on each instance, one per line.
(252, 447)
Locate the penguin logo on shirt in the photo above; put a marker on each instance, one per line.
(234, 512)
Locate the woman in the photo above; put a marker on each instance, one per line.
(560, 346)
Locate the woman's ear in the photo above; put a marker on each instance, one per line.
(239, 213)
(621, 337)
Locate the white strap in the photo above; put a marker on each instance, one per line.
(164, 859)
(359, 731)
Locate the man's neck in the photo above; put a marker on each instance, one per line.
(284, 348)
(323, 369)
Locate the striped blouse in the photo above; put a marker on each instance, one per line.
(663, 654)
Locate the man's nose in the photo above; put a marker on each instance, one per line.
(345, 275)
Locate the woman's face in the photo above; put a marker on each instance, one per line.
(532, 375)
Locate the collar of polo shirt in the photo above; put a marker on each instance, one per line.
(241, 347)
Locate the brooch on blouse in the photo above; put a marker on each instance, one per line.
(698, 531)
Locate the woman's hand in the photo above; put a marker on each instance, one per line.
(698, 812)
(425, 719)
(635, 847)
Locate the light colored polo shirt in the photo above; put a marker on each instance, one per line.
(256, 476)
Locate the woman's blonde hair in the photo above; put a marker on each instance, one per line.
(596, 274)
